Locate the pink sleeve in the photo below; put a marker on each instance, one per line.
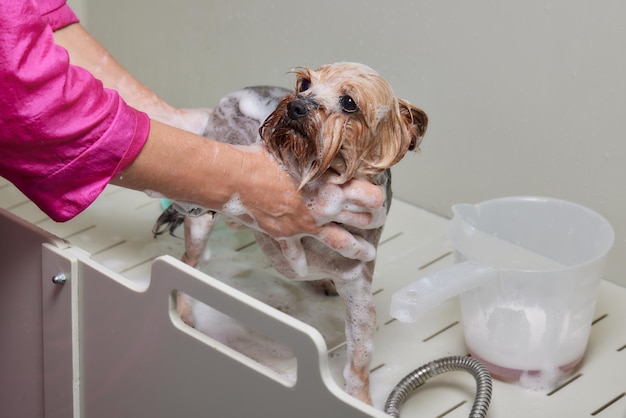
(57, 13)
(62, 135)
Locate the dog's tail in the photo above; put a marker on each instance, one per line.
(169, 220)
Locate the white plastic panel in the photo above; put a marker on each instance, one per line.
(140, 360)
(116, 231)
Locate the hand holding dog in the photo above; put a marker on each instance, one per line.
(356, 203)
(274, 205)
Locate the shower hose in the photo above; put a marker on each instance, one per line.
(419, 376)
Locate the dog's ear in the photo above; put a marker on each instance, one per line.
(415, 121)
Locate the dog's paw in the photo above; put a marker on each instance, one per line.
(325, 287)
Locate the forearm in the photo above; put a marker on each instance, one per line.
(185, 167)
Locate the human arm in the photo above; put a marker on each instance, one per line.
(65, 137)
(211, 174)
(356, 203)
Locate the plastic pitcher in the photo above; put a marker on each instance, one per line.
(527, 274)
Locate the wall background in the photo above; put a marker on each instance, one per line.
(523, 97)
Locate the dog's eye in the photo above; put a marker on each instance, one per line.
(348, 104)
(305, 84)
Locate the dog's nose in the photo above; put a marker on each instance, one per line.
(296, 109)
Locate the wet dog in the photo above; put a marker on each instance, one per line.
(343, 119)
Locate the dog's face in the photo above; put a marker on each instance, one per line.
(344, 117)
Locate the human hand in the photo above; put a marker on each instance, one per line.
(270, 201)
(356, 203)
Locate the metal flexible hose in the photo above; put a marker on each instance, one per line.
(418, 377)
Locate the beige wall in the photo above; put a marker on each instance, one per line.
(80, 8)
(524, 97)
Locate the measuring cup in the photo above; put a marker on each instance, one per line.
(527, 274)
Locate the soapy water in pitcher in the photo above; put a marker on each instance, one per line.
(543, 379)
(518, 344)
(533, 338)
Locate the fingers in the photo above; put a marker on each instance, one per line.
(318, 210)
(364, 205)
(346, 244)
(356, 219)
(362, 220)
(364, 194)
(355, 203)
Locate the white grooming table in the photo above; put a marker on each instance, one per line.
(112, 345)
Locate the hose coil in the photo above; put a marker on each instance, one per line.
(419, 376)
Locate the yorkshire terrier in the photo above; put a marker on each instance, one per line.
(343, 119)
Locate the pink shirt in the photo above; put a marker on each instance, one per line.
(62, 135)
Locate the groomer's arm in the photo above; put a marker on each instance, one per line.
(189, 168)
(85, 51)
